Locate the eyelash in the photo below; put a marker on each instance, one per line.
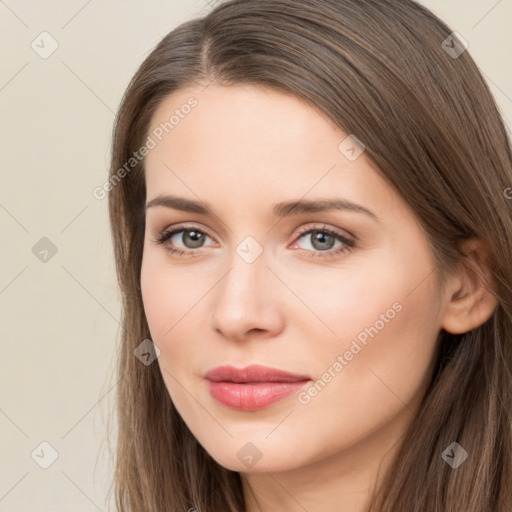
(331, 253)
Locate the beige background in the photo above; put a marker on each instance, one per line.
(60, 317)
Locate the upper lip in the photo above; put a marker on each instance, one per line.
(252, 373)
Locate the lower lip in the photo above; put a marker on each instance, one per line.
(253, 396)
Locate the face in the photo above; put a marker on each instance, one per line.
(342, 298)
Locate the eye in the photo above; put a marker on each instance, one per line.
(192, 238)
(323, 239)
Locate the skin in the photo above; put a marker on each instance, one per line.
(242, 149)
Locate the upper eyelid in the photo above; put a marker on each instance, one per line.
(179, 228)
(338, 231)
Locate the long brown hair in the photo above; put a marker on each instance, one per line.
(386, 71)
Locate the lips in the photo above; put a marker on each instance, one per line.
(253, 387)
(252, 373)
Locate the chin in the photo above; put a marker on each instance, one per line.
(252, 457)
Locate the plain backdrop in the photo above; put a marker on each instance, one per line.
(59, 302)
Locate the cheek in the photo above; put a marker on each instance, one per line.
(387, 290)
(167, 300)
(172, 300)
(167, 294)
(387, 340)
(343, 301)
(383, 322)
(158, 303)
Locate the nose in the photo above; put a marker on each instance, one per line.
(247, 301)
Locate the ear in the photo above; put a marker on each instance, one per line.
(470, 300)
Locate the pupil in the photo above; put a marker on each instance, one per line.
(321, 238)
(192, 235)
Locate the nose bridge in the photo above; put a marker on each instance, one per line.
(245, 279)
(242, 302)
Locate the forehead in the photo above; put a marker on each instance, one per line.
(261, 143)
(244, 113)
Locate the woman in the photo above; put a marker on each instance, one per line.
(313, 241)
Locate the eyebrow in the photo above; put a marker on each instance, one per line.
(283, 209)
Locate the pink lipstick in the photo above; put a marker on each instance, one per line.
(253, 387)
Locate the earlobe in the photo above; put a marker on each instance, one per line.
(470, 298)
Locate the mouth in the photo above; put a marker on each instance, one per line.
(254, 387)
